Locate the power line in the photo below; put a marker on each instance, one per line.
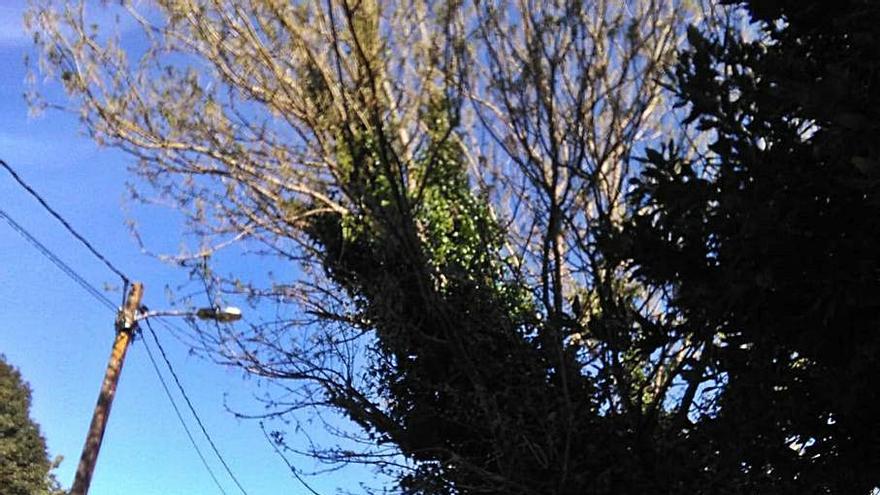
(180, 418)
(70, 272)
(100, 297)
(64, 222)
(286, 461)
(192, 408)
(94, 292)
(210, 293)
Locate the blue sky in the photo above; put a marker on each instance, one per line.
(60, 337)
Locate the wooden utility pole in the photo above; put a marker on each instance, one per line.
(126, 322)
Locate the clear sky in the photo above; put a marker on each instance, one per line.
(60, 337)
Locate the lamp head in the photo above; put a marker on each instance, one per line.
(223, 315)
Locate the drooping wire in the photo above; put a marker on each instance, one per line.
(65, 223)
(70, 272)
(290, 466)
(192, 408)
(211, 300)
(180, 417)
(94, 292)
(100, 297)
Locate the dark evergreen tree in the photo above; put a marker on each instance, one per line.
(25, 468)
(768, 247)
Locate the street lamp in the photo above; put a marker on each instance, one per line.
(126, 323)
(223, 315)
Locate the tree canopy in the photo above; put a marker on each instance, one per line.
(475, 287)
(25, 468)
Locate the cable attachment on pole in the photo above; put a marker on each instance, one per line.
(126, 319)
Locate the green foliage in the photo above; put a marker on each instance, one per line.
(428, 276)
(769, 246)
(24, 466)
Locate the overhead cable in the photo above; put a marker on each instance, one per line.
(64, 222)
(192, 409)
(70, 272)
(290, 466)
(180, 418)
(98, 295)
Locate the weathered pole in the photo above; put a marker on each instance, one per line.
(126, 322)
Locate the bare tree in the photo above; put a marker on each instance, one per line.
(484, 142)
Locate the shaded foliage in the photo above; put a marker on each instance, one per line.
(459, 360)
(768, 245)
